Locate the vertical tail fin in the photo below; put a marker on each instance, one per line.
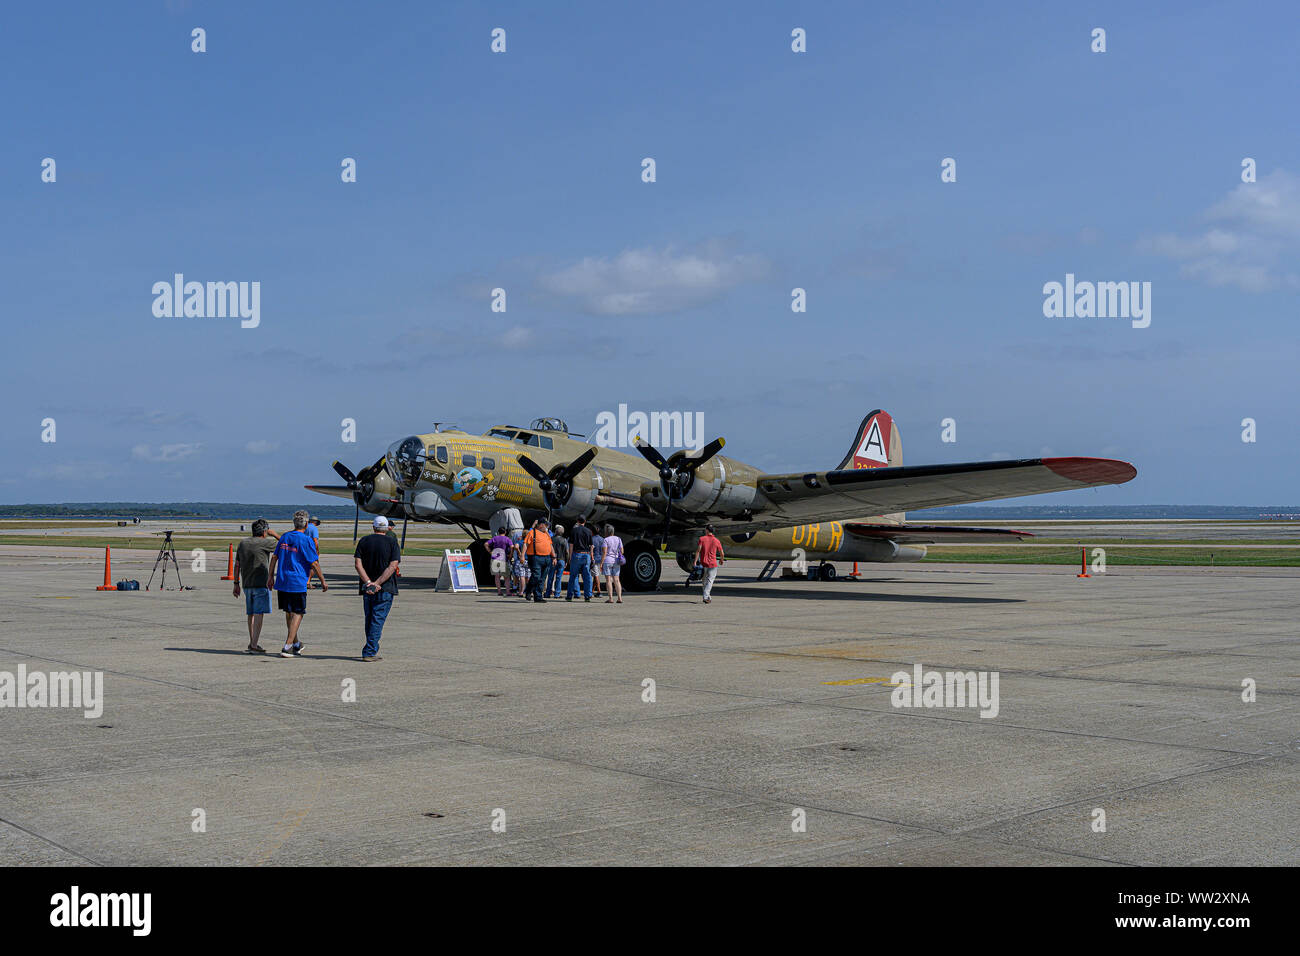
(876, 445)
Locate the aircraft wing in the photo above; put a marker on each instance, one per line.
(843, 495)
(338, 491)
(935, 533)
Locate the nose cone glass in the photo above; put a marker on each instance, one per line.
(405, 461)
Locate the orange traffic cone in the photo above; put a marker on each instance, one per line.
(855, 573)
(1083, 562)
(108, 584)
(230, 565)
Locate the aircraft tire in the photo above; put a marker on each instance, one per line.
(826, 572)
(641, 572)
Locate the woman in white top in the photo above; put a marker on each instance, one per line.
(610, 562)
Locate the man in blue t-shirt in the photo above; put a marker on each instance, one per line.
(292, 565)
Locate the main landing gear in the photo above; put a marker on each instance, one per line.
(641, 572)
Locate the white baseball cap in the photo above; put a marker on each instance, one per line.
(380, 522)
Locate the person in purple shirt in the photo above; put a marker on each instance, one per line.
(498, 547)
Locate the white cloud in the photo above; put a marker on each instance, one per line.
(517, 337)
(645, 281)
(177, 452)
(261, 447)
(1254, 232)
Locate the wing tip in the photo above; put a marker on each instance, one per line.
(1093, 471)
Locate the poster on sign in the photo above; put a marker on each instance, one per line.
(457, 572)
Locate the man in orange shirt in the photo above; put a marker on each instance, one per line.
(708, 555)
(538, 548)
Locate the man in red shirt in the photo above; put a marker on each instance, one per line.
(708, 554)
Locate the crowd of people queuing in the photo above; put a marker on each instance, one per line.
(531, 564)
(526, 564)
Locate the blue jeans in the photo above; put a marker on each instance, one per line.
(581, 566)
(376, 607)
(538, 565)
(554, 579)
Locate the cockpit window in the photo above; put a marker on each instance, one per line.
(547, 443)
(442, 454)
(501, 433)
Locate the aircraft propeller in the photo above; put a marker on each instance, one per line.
(676, 473)
(557, 484)
(362, 487)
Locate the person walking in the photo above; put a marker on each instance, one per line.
(292, 565)
(498, 547)
(708, 554)
(253, 573)
(555, 579)
(612, 563)
(538, 548)
(580, 545)
(376, 559)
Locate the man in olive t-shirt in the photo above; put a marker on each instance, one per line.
(252, 571)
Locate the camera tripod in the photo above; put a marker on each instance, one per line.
(166, 553)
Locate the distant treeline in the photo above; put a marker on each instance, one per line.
(222, 510)
(226, 511)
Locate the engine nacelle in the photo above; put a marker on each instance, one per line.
(715, 487)
(582, 496)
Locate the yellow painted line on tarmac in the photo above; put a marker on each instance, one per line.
(856, 680)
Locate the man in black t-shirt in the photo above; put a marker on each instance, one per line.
(580, 560)
(376, 560)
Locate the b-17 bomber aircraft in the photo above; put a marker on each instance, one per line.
(853, 512)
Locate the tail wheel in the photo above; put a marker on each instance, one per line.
(641, 572)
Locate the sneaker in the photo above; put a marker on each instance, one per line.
(708, 600)
(287, 654)
(255, 650)
(586, 599)
(540, 600)
(371, 660)
(297, 648)
(569, 597)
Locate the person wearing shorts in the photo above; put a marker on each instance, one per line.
(292, 565)
(499, 546)
(611, 564)
(253, 575)
(518, 570)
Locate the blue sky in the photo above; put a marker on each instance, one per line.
(522, 171)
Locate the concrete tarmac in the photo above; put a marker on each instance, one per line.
(1121, 693)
